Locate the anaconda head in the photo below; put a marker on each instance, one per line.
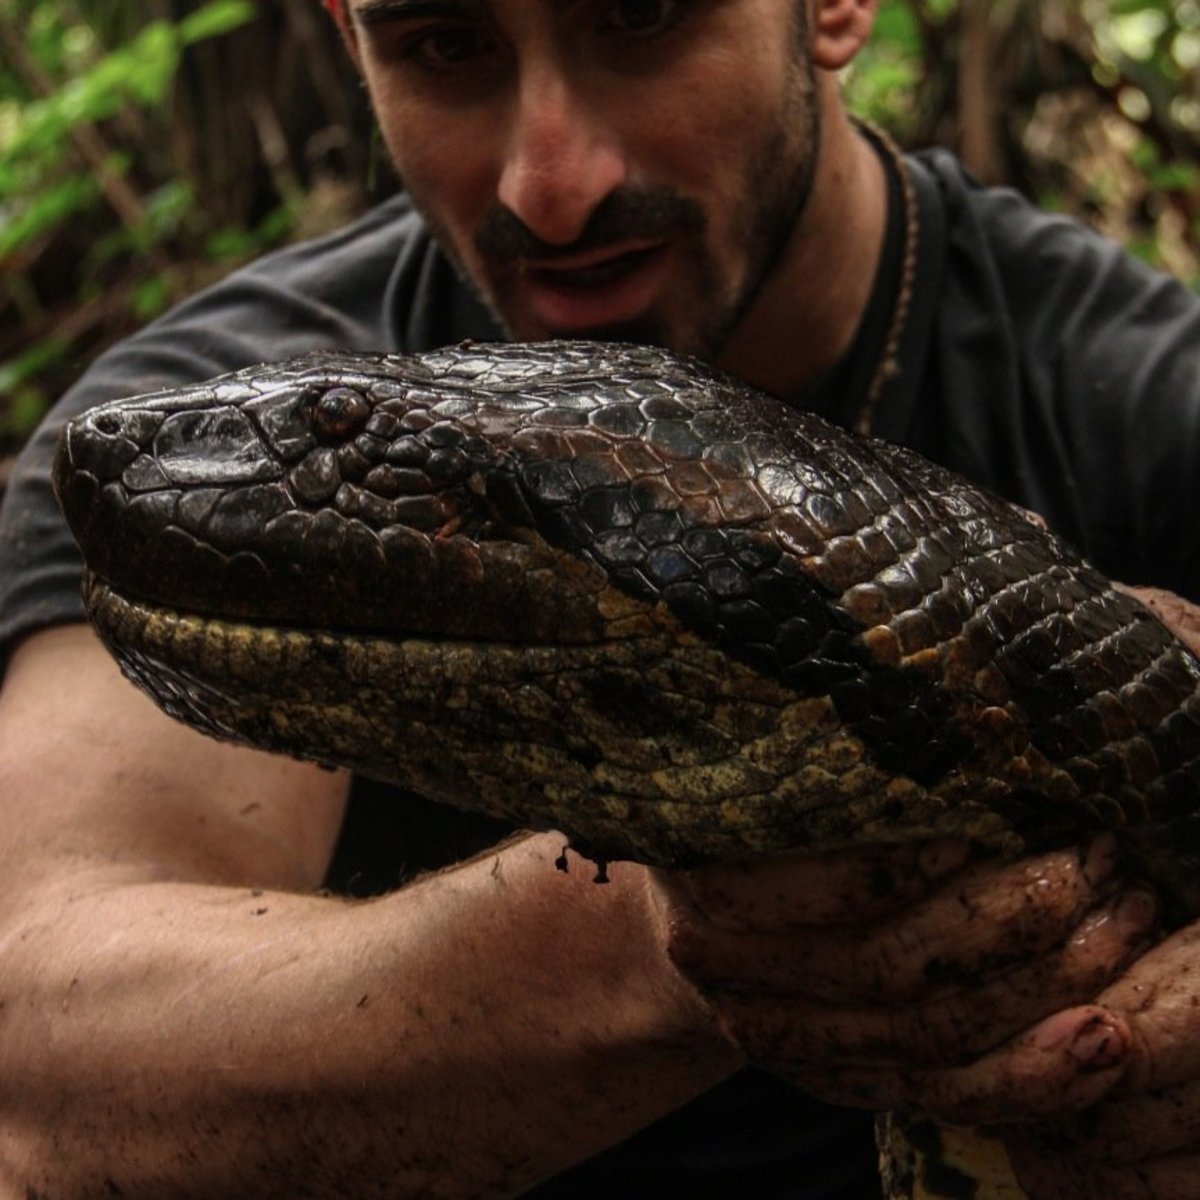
(601, 589)
(480, 563)
(508, 492)
(343, 492)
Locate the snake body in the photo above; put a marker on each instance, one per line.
(605, 590)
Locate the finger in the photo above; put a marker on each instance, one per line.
(950, 1027)
(993, 917)
(1180, 616)
(799, 889)
(1160, 994)
(1058, 1177)
(794, 891)
(1120, 1131)
(1069, 1061)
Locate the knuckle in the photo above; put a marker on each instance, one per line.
(767, 1038)
(896, 962)
(717, 894)
(687, 947)
(948, 1034)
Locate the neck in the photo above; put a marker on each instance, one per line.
(811, 303)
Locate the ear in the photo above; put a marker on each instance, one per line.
(341, 18)
(839, 29)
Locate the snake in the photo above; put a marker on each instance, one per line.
(607, 590)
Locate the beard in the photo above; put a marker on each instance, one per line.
(778, 190)
(707, 302)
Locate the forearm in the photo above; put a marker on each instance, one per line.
(467, 1036)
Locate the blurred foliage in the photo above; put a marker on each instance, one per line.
(1091, 107)
(145, 150)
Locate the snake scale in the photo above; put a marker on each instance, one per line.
(601, 589)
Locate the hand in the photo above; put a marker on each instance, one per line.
(884, 978)
(890, 976)
(1180, 616)
(1142, 1142)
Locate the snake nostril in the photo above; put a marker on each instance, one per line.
(339, 414)
(108, 424)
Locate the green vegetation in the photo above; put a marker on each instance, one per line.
(1089, 106)
(59, 166)
(145, 150)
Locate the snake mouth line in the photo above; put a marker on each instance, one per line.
(224, 644)
(118, 612)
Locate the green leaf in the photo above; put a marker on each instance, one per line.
(1174, 177)
(237, 244)
(22, 402)
(46, 209)
(216, 18)
(140, 72)
(22, 410)
(150, 297)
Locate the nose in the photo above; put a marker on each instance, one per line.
(560, 161)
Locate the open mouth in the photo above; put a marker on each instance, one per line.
(596, 274)
(598, 289)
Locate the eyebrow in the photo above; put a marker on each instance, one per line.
(380, 12)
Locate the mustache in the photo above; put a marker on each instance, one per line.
(628, 213)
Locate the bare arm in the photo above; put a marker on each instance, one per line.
(180, 1013)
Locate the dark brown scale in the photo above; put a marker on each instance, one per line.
(317, 477)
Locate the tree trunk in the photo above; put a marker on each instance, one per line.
(977, 95)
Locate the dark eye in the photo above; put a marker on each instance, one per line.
(642, 16)
(339, 414)
(446, 48)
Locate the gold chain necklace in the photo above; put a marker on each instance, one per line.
(888, 366)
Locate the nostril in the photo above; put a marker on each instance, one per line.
(108, 424)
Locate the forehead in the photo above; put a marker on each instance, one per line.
(734, 14)
(372, 12)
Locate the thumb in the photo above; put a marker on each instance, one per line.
(1068, 1061)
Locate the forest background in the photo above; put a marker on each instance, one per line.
(146, 149)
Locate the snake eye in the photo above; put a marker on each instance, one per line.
(339, 414)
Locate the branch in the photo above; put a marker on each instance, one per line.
(980, 141)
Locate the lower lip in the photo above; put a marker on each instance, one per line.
(568, 302)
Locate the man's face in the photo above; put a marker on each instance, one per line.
(600, 168)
